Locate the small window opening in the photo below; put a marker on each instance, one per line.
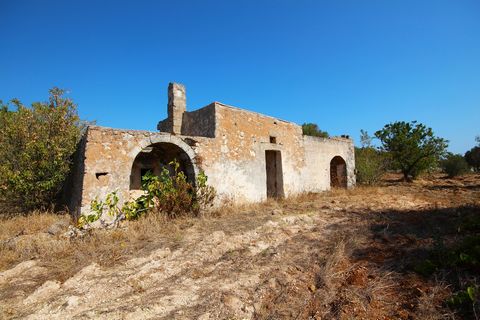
(100, 174)
(273, 139)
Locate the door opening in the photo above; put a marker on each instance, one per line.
(273, 160)
(338, 173)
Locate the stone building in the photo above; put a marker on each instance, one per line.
(247, 156)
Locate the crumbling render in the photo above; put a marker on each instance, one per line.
(246, 156)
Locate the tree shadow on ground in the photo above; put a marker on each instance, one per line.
(455, 187)
(401, 236)
(426, 247)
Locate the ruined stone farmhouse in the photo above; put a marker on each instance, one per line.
(247, 156)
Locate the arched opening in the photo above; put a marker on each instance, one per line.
(338, 173)
(157, 156)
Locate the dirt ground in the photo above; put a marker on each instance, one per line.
(344, 254)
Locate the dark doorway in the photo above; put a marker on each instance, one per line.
(155, 158)
(338, 173)
(273, 160)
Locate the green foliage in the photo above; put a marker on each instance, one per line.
(365, 139)
(173, 195)
(464, 298)
(109, 206)
(465, 254)
(370, 163)
(473, 158)
(412, 147)
(169, 194)
(426, 268)
(454, 165)
(462, 260)
(311, 129)
(37, 144)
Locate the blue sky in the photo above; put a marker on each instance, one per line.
(346, 65)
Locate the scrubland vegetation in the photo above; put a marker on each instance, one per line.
(404, 244)
(37, 144)
(396, 250)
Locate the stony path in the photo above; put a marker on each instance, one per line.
(209, 277)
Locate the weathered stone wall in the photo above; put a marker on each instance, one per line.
(176, 107)
(72, 190)
(108, 158)
(235, 159)
(201, 123)
(229, 144)
(318, 154)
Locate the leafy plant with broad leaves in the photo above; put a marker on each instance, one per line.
(37, 144)
(170, 194)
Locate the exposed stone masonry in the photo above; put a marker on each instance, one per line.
(232, 146)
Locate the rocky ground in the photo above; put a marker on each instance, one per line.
(337, 255)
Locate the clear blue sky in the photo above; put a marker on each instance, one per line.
(346, 65)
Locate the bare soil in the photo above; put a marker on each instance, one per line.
(343, 254)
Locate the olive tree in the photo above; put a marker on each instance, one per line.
(412, 147)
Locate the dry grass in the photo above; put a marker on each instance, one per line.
(26, 237)
(358, 272)
(35, 222)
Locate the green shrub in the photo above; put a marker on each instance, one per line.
(311, 129)
(454, 165)
(370, 165)
(36, 148)
(412, 147)
(168, 194)
(472, 157)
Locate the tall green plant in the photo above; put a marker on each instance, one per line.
(172, 194)
(36, 147)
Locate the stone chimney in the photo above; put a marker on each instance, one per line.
(177, 105)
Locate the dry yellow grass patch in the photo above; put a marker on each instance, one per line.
(37, 221)
(333, 272)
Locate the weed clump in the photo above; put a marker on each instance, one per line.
(458, 262)
(169, 194)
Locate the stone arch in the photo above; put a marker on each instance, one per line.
(155, 153)
(338, 172)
